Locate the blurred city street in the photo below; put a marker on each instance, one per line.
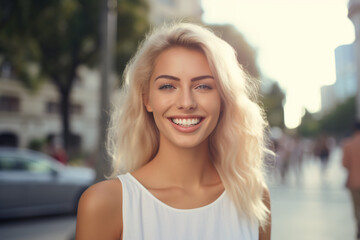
(63, 67)
(315, 206)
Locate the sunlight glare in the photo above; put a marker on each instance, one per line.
(295, 42)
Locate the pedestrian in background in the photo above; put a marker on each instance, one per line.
(351, 161)
(187, 143)
(322, 151)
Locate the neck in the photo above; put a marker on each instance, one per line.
(185, 167)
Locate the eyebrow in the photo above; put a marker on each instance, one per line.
(167, 77)
(178, 79)
(201, 78)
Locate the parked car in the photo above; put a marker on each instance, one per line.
(32, 184)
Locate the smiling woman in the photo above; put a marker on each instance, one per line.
(187, 146)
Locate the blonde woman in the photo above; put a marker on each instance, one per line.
(187, 146)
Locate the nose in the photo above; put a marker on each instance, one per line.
(186, 100)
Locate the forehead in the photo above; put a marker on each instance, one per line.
(181, 60)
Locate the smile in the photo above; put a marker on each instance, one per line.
(188, 122)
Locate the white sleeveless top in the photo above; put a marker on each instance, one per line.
(147, 218)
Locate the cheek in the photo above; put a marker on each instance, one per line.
(214, 105)
(159, 104)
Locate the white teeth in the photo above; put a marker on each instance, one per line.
(186, 122)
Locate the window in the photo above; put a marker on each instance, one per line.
(5, 70)
(54, 107)
(32, 163)
(76, 109)
(8, 139)
(11, 163)
(9, 104)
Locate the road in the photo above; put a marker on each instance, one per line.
(41, 228)
(315, 206)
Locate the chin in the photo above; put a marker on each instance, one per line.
(188, 144)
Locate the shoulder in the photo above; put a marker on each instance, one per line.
(101, 195)
(100, 211)
(267, 199)
(265, 231)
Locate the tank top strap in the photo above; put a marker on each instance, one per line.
(130, 193)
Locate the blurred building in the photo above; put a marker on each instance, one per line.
(346, 84)
(26, 116)
(167, 10)
(328, 101)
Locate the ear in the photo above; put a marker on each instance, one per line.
(146, 103)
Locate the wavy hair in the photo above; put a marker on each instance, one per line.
(237, 145)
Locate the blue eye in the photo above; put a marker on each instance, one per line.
(204, 86)
(166, 86)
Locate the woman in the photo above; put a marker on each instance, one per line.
(187, 145)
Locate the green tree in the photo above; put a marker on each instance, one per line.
(273, 104)
(340, 120)
(48, 40)
(309, 126)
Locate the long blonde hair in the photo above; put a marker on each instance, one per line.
(237, 144)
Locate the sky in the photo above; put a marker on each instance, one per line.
(294, 40)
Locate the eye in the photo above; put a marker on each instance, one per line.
(204, 86)
(166, 86)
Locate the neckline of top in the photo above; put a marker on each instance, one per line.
(173, 208)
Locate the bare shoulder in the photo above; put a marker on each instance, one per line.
(103, 193)
(265, 232)
(100, 211)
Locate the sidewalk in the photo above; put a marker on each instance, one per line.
(318, 207)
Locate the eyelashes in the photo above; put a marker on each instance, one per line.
(204, 86)
(200, 87)
(166, 86)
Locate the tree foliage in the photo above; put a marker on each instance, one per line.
(338, 122)
(309, 126)
(48, 40)
(132, 25)
(273, 104)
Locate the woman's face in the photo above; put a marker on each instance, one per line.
(183, 97)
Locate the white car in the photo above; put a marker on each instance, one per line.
(32, 184)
